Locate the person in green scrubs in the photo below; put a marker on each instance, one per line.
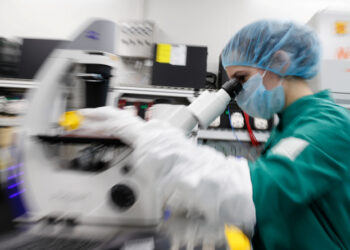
(296, 195)
(301, 182)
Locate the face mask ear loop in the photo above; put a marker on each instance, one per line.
(281, 81)
(262, 77)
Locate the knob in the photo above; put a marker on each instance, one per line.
(125, 170)
(122, 196)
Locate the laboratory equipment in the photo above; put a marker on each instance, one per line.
(135, 39)
(68, 180)
(232, 117)
(3, 102)
(80, 178)
(117, 197)
(332, 27)
(222, 75)
(205, 108)
(5, 211)
(178, 65)
(10, 52)
(34, 52)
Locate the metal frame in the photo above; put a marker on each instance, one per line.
(17, 83)
(172, 92)
(116, 92)
(227, 135)
(10, 122)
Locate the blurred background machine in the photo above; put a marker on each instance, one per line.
(176, 77)
(135, 39)
(10, 53)
(179, 66)
(77, 75)
(233, 129)
(79, 180)
(33, 54)
(333, 29)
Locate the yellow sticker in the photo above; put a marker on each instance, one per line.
(70, 120)
(113, 57)
(236, 239)
(341, 28)
(163, 53)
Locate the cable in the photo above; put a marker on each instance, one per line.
(250, 131)
(249, 155)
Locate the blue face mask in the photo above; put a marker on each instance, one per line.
(257, 101)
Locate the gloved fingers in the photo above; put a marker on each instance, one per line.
(108, 112)
(195, 185)
(125, 130)
(101, 113)
(92, 129)
(94, 114)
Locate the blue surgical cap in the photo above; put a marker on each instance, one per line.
(284, 48)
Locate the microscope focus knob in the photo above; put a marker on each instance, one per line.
(123, 196)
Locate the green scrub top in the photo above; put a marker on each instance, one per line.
(301, 182)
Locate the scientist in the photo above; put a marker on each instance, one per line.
(297, 194)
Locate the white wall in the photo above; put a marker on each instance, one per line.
(60, 18)
(197, 22)
(212, 23)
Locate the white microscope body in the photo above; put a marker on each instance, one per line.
(102, 195)
(52, 187)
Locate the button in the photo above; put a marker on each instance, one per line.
(123, 196)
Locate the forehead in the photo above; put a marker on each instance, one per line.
(240, 70)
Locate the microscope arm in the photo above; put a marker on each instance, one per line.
(206, 107)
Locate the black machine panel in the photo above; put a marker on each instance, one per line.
(191, 75)
(34, 53)
(10, 54)
(222, 76)
(6, 215)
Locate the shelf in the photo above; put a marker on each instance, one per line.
(342, 99)
(155, 91)
(10, 122)
(159, 91)
(17, 83)
(227, 135)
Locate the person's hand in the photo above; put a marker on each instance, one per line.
(110, 122)
(191, 178)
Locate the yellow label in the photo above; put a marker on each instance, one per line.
(70, 120)
(236, 239)
(113, 57)
(163, 53)
(341, 28)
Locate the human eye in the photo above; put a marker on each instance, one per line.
(241, 77)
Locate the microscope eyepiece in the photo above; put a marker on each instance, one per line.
(232, 87)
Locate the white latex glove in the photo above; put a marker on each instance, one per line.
(191, 177)
(111, 122)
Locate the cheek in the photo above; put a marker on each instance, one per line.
(270, 82)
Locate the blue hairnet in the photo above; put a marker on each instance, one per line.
(284, 48)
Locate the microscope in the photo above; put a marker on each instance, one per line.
(86, 179)
(89, 179)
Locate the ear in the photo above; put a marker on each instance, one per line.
(280, 61)
(271, 80)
